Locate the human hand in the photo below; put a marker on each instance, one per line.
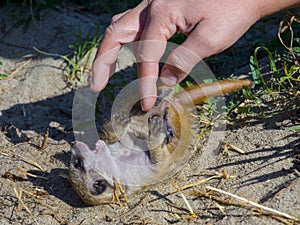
(210, 26)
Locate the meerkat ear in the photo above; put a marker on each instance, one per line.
(78, 146)
(100, 146)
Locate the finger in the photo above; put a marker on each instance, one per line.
(103, 67)
(148, 55)
(148, 92)
(125, 29)
(158, 29)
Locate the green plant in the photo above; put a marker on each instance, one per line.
(3, 75)
(236, 104)
(282, 79)
(288, 58)
(256, 72)
(82, 48)
(295, 128)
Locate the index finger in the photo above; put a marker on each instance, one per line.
(150, 50)
(127, 28)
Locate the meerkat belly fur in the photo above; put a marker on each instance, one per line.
(141, 149)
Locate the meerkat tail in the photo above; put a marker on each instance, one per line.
(199, 93)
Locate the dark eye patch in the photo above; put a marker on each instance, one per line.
(78, 163)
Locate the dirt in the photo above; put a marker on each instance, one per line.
(34, 186)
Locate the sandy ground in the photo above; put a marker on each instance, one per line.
(34, 184)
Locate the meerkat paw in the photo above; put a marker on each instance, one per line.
(170, 133)
(121, 119)
(160, 128)
(159, 135)
(156, 127)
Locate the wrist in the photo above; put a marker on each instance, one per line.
(267, 7)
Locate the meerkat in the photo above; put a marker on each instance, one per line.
(143, 148)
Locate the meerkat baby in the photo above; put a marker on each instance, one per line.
(142, 148)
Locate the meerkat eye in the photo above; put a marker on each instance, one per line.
(99, 187)
(78, 164)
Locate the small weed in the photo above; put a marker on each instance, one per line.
(3, 75)
(295, 128)
(283, 75)
(288, 59)
(178, 38)
(81, 49)
(237, 106)
(256, 72)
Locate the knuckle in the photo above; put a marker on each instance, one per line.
(177, 61)
(150, 51)
(110, 30)
(158, 6)
(183, 59)
(115, 18)
(119, 16)
(213, 44)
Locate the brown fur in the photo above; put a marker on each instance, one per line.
(172, 116)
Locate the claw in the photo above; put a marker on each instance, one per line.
(160, 124)
(121, 118)
(169, 129)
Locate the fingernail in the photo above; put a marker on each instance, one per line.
(147, 103)
(168, 78)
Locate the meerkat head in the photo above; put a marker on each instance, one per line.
(92, 172)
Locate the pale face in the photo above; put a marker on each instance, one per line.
(93, 184)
